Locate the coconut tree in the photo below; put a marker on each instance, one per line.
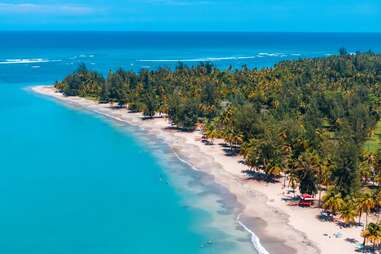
(287, 162)
(246, 147)
(348, 212)
(365, 172)
(372, 233)
(237, 138)
(367, 166)
(377, 168)
(377, 202)
(212, 134)
(292, 179)
(307, 166)
(323, 175)
(333, 201)
(228, 135)
(211, 131)
(365, 205)
(273, 171)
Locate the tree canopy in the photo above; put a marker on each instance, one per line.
(295, 117)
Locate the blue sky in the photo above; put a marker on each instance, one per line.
(193, 15)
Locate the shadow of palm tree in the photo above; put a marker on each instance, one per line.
(231, 152)
(175, 128)
(259, 176)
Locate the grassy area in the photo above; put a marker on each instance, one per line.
(374, 142)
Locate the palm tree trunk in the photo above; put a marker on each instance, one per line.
(319, 203)
(363, 244)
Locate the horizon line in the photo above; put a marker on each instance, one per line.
(195, 31)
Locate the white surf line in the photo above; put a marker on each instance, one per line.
(27, 61)
(254, 238)
(212, 59)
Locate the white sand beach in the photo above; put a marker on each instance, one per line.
(281, 228)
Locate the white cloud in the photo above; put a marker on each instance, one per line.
(58, 9)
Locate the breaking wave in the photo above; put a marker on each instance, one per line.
(215, 59)
(27, 61)
(206, 59)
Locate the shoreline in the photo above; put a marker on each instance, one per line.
(279, 228)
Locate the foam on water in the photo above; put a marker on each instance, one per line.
(27, 61)
(271, 54)
(254, 238)
(205, 59)
(216, 59)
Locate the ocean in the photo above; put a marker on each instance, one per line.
(74, 182)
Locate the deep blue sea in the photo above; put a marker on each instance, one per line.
(75, 183)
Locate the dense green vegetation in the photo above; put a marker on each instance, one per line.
(373, 144)
(308, 119)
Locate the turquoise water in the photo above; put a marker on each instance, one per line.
(75, 183)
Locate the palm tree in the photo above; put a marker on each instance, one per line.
(372, 233)
(365, 172)
(246, 147)
(323, 174)
(308, 168)
(211, 132)
(233, 138)
(377, 202)
(237, 139)
(333, 201)
(367, 166)
(365, 204)
(287, 161)
(293, 180)
(228, 137)
(348, 212)
(273, 171)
